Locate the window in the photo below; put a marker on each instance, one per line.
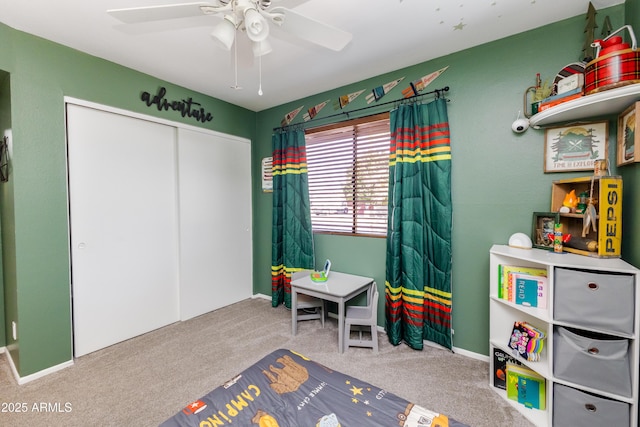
(348, 166)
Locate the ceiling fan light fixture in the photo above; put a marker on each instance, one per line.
(224, 33)
(261, 48)
(255, 25)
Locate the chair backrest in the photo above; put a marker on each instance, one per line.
(373, 302)
(374, 305)
(372, 291)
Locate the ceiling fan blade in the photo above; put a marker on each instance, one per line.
(156, 27)
(288, 3)
(311, 30)
(156, 13)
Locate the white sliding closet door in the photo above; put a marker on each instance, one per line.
(215, 221)
(124, 226)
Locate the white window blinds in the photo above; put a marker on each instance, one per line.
(348, 166)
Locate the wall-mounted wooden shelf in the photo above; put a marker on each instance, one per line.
(599, 104)
(606, 232)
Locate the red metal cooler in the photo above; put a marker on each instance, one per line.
(616, 63)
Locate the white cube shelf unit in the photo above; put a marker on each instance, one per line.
(590, 357)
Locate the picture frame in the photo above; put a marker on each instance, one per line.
(543, 225)
(575, 147)
(628, 144)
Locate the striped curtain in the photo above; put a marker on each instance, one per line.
(292, 237)
(418, 267)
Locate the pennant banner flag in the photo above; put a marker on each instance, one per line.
(313, 111)
(290, 116)
(346, 99)
(381, 91)
(418, 86)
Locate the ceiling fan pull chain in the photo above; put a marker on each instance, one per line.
(260, 75)
(235, 64)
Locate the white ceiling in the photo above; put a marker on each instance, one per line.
(387, 35)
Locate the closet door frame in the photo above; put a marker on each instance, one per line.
(178, 126)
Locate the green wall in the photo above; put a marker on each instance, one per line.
(5, 123)
(34, 203)
(497, 175)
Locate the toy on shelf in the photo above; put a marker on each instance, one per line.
(570, 202)
(538, 92)
(596, 232)
(557, 237)
(590, 215)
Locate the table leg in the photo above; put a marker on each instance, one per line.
(341, 326)
(294, 311)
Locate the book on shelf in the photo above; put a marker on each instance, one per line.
(573, 82)
(530, 290)
(547, 105)
(574, 91)
(554, 100)
(500, 361)
(526, 341)
(505, 279)
(526, 387)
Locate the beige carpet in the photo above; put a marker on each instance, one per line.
(143, 381)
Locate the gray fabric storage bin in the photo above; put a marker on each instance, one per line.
(592, 360)
(574, 408)
(594, 300)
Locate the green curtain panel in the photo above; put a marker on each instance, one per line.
(292, 236)
(418, 270)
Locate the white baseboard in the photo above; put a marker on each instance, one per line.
(261, 296)
(23, 380)
(471, 354)
(457, 350)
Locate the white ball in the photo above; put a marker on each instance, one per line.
(520, 240)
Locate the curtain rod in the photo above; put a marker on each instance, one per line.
(437, 92)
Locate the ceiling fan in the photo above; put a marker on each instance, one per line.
(251, 17)
(248, 16)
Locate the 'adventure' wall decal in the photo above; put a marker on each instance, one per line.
(188, 108)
